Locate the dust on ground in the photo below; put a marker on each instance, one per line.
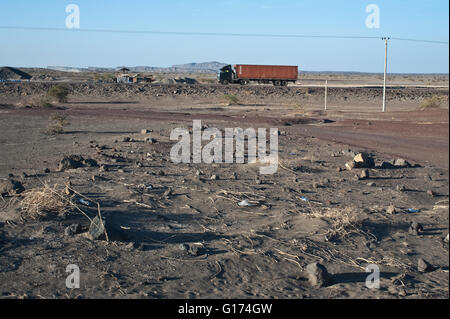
(225, 230)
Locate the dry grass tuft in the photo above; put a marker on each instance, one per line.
(45, 200)
(432, 103)
(57, 122)
(231, 99)
(342, 221)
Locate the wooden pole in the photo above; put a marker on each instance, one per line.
(385, 69)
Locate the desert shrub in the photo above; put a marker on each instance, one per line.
(231, 99)
(432, 102)
(57, 123)
(40, 101)
(45, 200)
(58, 92)
(342, 221)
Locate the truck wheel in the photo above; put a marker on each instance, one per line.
(277, 83)
(243, 82)
(225, 82)
(284, 83)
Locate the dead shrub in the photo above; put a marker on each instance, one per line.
(432, 102)
(40, 102)
(342, 221)
(57, 123)
(58, 92)
(231, 99)
(45, 200)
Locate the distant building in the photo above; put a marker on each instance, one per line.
(125, 77)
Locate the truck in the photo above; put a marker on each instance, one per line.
(278, 75)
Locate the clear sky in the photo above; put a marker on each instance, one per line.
(421, 19)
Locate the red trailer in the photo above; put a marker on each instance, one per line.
(279, 75)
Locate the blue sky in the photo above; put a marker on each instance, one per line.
(398, 18)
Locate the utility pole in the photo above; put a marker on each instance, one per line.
(385, 69)
(326, 89)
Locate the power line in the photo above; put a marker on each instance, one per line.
(419, 40)
(221, 34)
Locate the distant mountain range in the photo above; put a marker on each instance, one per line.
(204, 67)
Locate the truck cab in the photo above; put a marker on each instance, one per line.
(226, 75)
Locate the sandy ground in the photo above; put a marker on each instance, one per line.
(176, 232)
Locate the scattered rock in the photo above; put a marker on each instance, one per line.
(318, 275)
(11, 187)
(126, 139)
(214, 177)
(70, 162)
(431, 192)
(184, 247)
(150, 140)
(194, 250)
(415, 228)
(364, 174)
(371, 184)
(424, 266)
(46, 170)
(73, 229)
(90, 162)
(391, 210)
(145, 131)
(350, 165)
(401, 188)
(400, 162)
(446, 239)
(363, 160)
(402, 292)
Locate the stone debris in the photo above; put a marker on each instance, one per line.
(150, 140)
(415, 228)
(73, 229)
(364, 174)
(70, 162)
(74, 162)
(363, 160)
(424, 266)
(431, 193)
(400, 162)
(90, 162)
(391, 210)
(318, 275)
(11, 187)
(350, 165)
